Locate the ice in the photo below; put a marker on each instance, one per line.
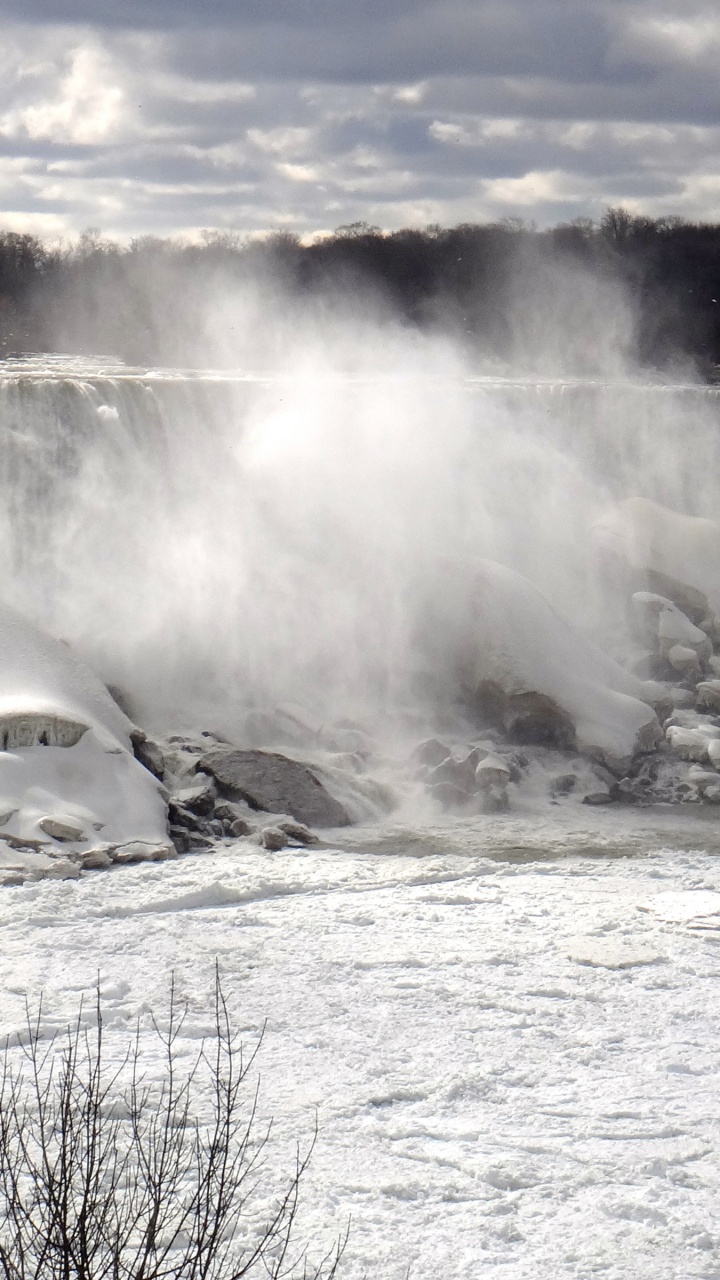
(486, 1103)
(68, 777)
(522, 644)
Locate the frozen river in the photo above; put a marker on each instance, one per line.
(514, 1058)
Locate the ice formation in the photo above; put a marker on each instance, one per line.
(69, 782)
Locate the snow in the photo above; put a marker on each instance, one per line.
(650, 536)
(521, 643)
(68, 778)
(507, 1028)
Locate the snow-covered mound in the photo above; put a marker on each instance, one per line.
(517, 646)
(69, 782)
(682, 550)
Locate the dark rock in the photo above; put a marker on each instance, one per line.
(449, 795)
(179, 816)
(274, 839)
(239, 828)
(121, 700)
(148, 753)
(181, 839)
(530, 718)
(198, 841)
(493, 800)
(299, 832)
(269, 781)
(200, 798)
(563, 784)
(430, 753)
(459, 773)
(597, 797)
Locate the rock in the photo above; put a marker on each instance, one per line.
(180, 839)
(525, 669)
(660, 621)
(678, 556)
(708, 694)
(492, 771)
(62, 869)
(198, 799)
(679, 697)
(563, 784)
(298, 831)
(703, 778)
(141, 851)
(430, 753)
(62, 827)
(273, 839)
(459, 773)
(239, 828)
(269, 781)
(693, 744)
(178, 816)
(685, 661)
(148, 753)
(449, 795)
(531, 718)
(97, 859)
(200, 842)
(600, 794)
(494, 799)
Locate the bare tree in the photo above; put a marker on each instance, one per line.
(105, 1175)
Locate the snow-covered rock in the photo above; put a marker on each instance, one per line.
(684, 661)
(667, 627)
(542, 679)
(678, 555)
(694, 743)
(708, 694)
(68, 776)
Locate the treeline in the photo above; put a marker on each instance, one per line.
(140, 302)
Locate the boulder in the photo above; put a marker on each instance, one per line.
(198, 799)
(685, 662)
(526, 669)
(708, 694)
(675, 555)
(273, 782)
(662, 624)
(492, 771)
(694, 744)
(430, 753)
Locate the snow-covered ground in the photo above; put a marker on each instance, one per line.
(509, 1031)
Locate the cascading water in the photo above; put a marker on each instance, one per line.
(217, 543)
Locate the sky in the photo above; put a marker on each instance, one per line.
(168, 117)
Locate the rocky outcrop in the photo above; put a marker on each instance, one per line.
(529, 673)
(272, 782)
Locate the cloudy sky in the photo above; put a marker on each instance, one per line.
(170, 116)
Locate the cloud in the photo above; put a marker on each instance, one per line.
(169, 117)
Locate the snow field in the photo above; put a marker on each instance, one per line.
(514, 1063)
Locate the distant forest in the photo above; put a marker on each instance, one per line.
(132, 301)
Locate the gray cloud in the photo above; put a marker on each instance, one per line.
(168, 117)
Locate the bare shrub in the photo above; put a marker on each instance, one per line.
(105, 1175)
